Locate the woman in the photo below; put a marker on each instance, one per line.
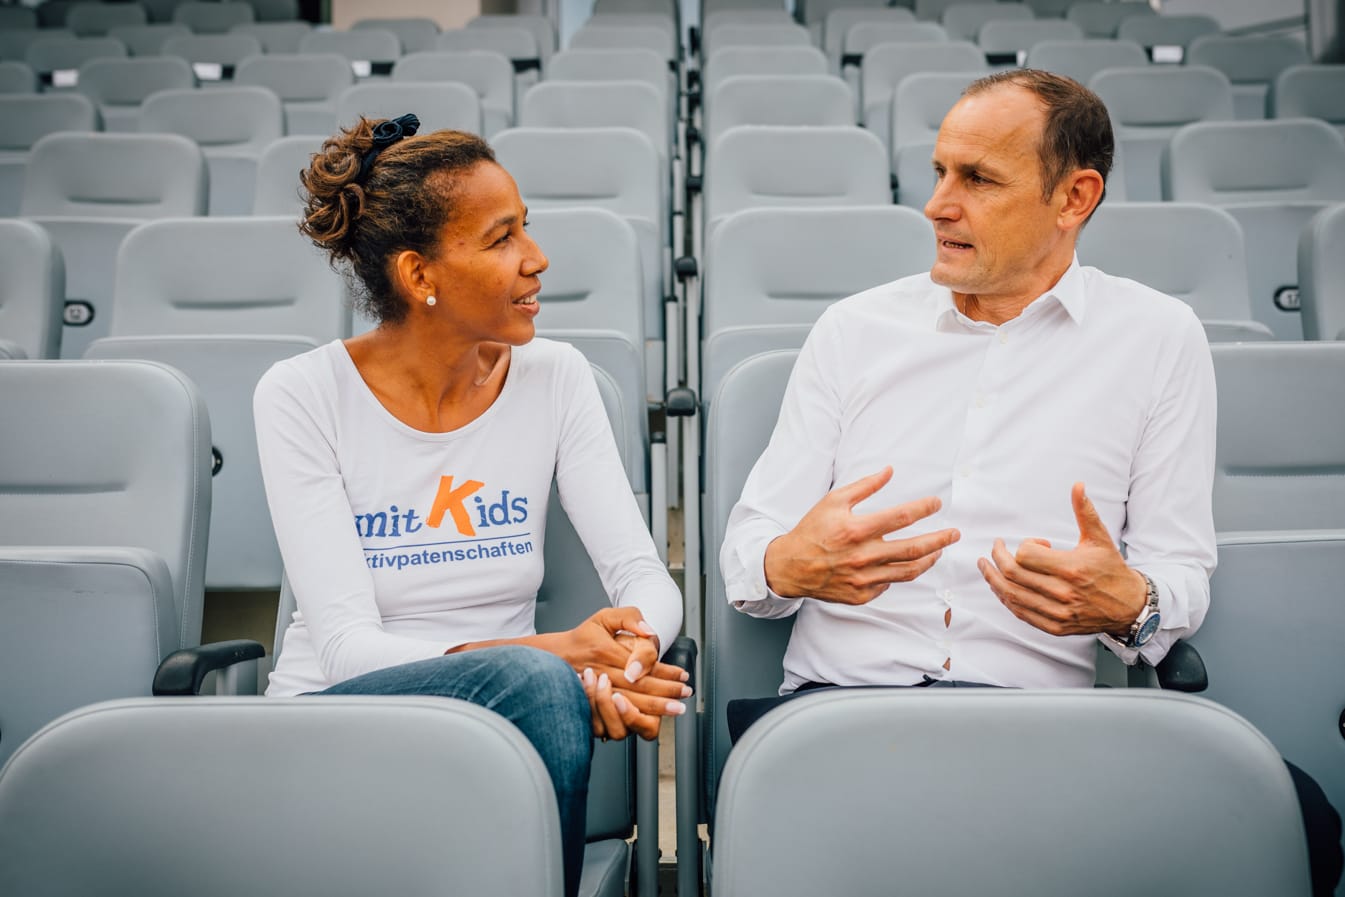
(408, 469)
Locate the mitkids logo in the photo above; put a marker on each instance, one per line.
(473, 511)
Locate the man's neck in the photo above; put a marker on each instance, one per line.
(997, 308)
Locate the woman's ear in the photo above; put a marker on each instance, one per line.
(411, 275)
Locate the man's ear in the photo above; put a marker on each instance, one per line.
(1082, 191)
(410, 276)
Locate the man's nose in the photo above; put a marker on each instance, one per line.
(942, 204)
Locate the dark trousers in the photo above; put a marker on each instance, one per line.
(1320, 819)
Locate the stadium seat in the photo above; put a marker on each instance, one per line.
(148, 39)
(1281, 439)
(886, 64)
(1011, 41)
(275, 37)
(743, 34)
(213, 17)
(1272, 176)
(369, 50)
(18, 18)
(1310, 91)
(97, 19)
(918, 107)
(1082, 59)
(606, 34)
(232, 125)
(1009, 766)
(1251, 63)
(807, 100)
(815, 14)
(1321, 275)
(417, 35)
(57, 59)
(517, 44)
(88, 191)
(17, 77)
(1148, 105)
(14, 44)
(963, 21)
(1191, 251)
(541, 27)
(119, 86)
(842, 18)
(270, 11)
(439, 106)
(1157, 34)
(631, 64)
(32, 291)
(307, 84)
(1102, 19)
(106, 476)
(784, 59)
(212, 56)
(488, 73)
(112, 798)
(29, 118)
(278, 187)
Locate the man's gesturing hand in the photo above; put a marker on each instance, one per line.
(834, 554)
(1083, 591)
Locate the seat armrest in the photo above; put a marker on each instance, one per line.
(1182, 669)
(683, 654)
(182, 672)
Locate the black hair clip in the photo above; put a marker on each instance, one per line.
(386, 133)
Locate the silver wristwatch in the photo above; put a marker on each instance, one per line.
(1146, 624)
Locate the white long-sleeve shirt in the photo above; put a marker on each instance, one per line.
(1100, 380)
(401, 544)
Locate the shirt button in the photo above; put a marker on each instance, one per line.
(947, 596)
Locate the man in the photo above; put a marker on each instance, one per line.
(958, 454)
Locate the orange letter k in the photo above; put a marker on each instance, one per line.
(451, 500)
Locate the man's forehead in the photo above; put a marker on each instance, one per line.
(1002, 120)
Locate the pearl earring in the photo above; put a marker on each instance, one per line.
(430, 300)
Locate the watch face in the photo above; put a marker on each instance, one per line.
(1147, 630)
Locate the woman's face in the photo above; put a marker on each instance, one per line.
(485, 276)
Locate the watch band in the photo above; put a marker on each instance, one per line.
(1150, 610)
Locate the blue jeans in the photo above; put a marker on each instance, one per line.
(534, 690)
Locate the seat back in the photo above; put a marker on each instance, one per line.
(1101, 18)
(963, 21)
(842, 18)
(1252, 63)
(17, 77)
(109, 454)
(439, 106)
(97, 19)
(18, 18)
(488, 73)
(1321, 275)
(1191, 251)
(279, 190)
(297, 77)
(541, 27)
(119, 86)
(30, 117)
(32, 291)
(1008, 765)
(271, 813)
(918, 108)
(61, 54)
(1310, 91)
(887, 64)
(115, 175)
(1082, 59)
(271, 11)
(206, 52)
(630, 31)
(1153, 32)
(599, 104)
(236, 119)
(517, 44)
(1276, 597)
(213, 17)
(1010, 38)
(1280, 456)
(146, 40)
(364, 46)
(275, 37)
(784, 59)
(417, 34)
(762, 165)
(777, 100)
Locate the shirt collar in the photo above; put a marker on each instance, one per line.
(1068, 292)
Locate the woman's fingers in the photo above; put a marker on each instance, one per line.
(644, 725)
(590, 683)
(607, 710)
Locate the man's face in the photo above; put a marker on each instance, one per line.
(996, 237)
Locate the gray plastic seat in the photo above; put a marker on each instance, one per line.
(918, 108)
(1321, 275)
(106, 485)
(841, 19)
(32, 291)
(931, 10)
(518, 44)
(439, 106)
(212, 56)
(369, 50)
(1008, 765)
(1082, 59)
(17, 77)
(764, 165)
(215, 17)
(1281, 438)
(278, 186)
(631, 64)
(815, 14)
(963, 20)
(1013, 40)
(307, 84)
(119, 86)
(269, 11)
(459, 796)
(275, 37)
(1102, 18)
(488, 73)
(14, 44)
(18, 18)
(52, 58)
(1310, 91)
(770, 272)
(807, 100)
(887, 64)
(862, 37)
(1148, 104)
(97, 19)
(28, 118)
(1191, 251)
(612, 36)
(665, 23)
(147, 39)
(232, 125)
(1251, 63)
(1052, 9)
(417, 34)
(763, 34)
(1303, 570)
(88, 191)
(610, 168)
(541, 27)
(1157, 32)
(1272, 176)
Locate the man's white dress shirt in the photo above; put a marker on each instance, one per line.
(1101, 380)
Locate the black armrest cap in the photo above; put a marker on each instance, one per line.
(182, 672)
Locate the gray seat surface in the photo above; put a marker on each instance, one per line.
(119, 86)
(275, 37)
(1321, 274)
(439, 106)
(489, 74)
(1252, 63)
(422, 795)
(307, 85)
(148, 39)
(214, 17)
(886, 65)
(1082, 59)
(1310, 91)
(852, 786)
(32, 290)
(1102, 19)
